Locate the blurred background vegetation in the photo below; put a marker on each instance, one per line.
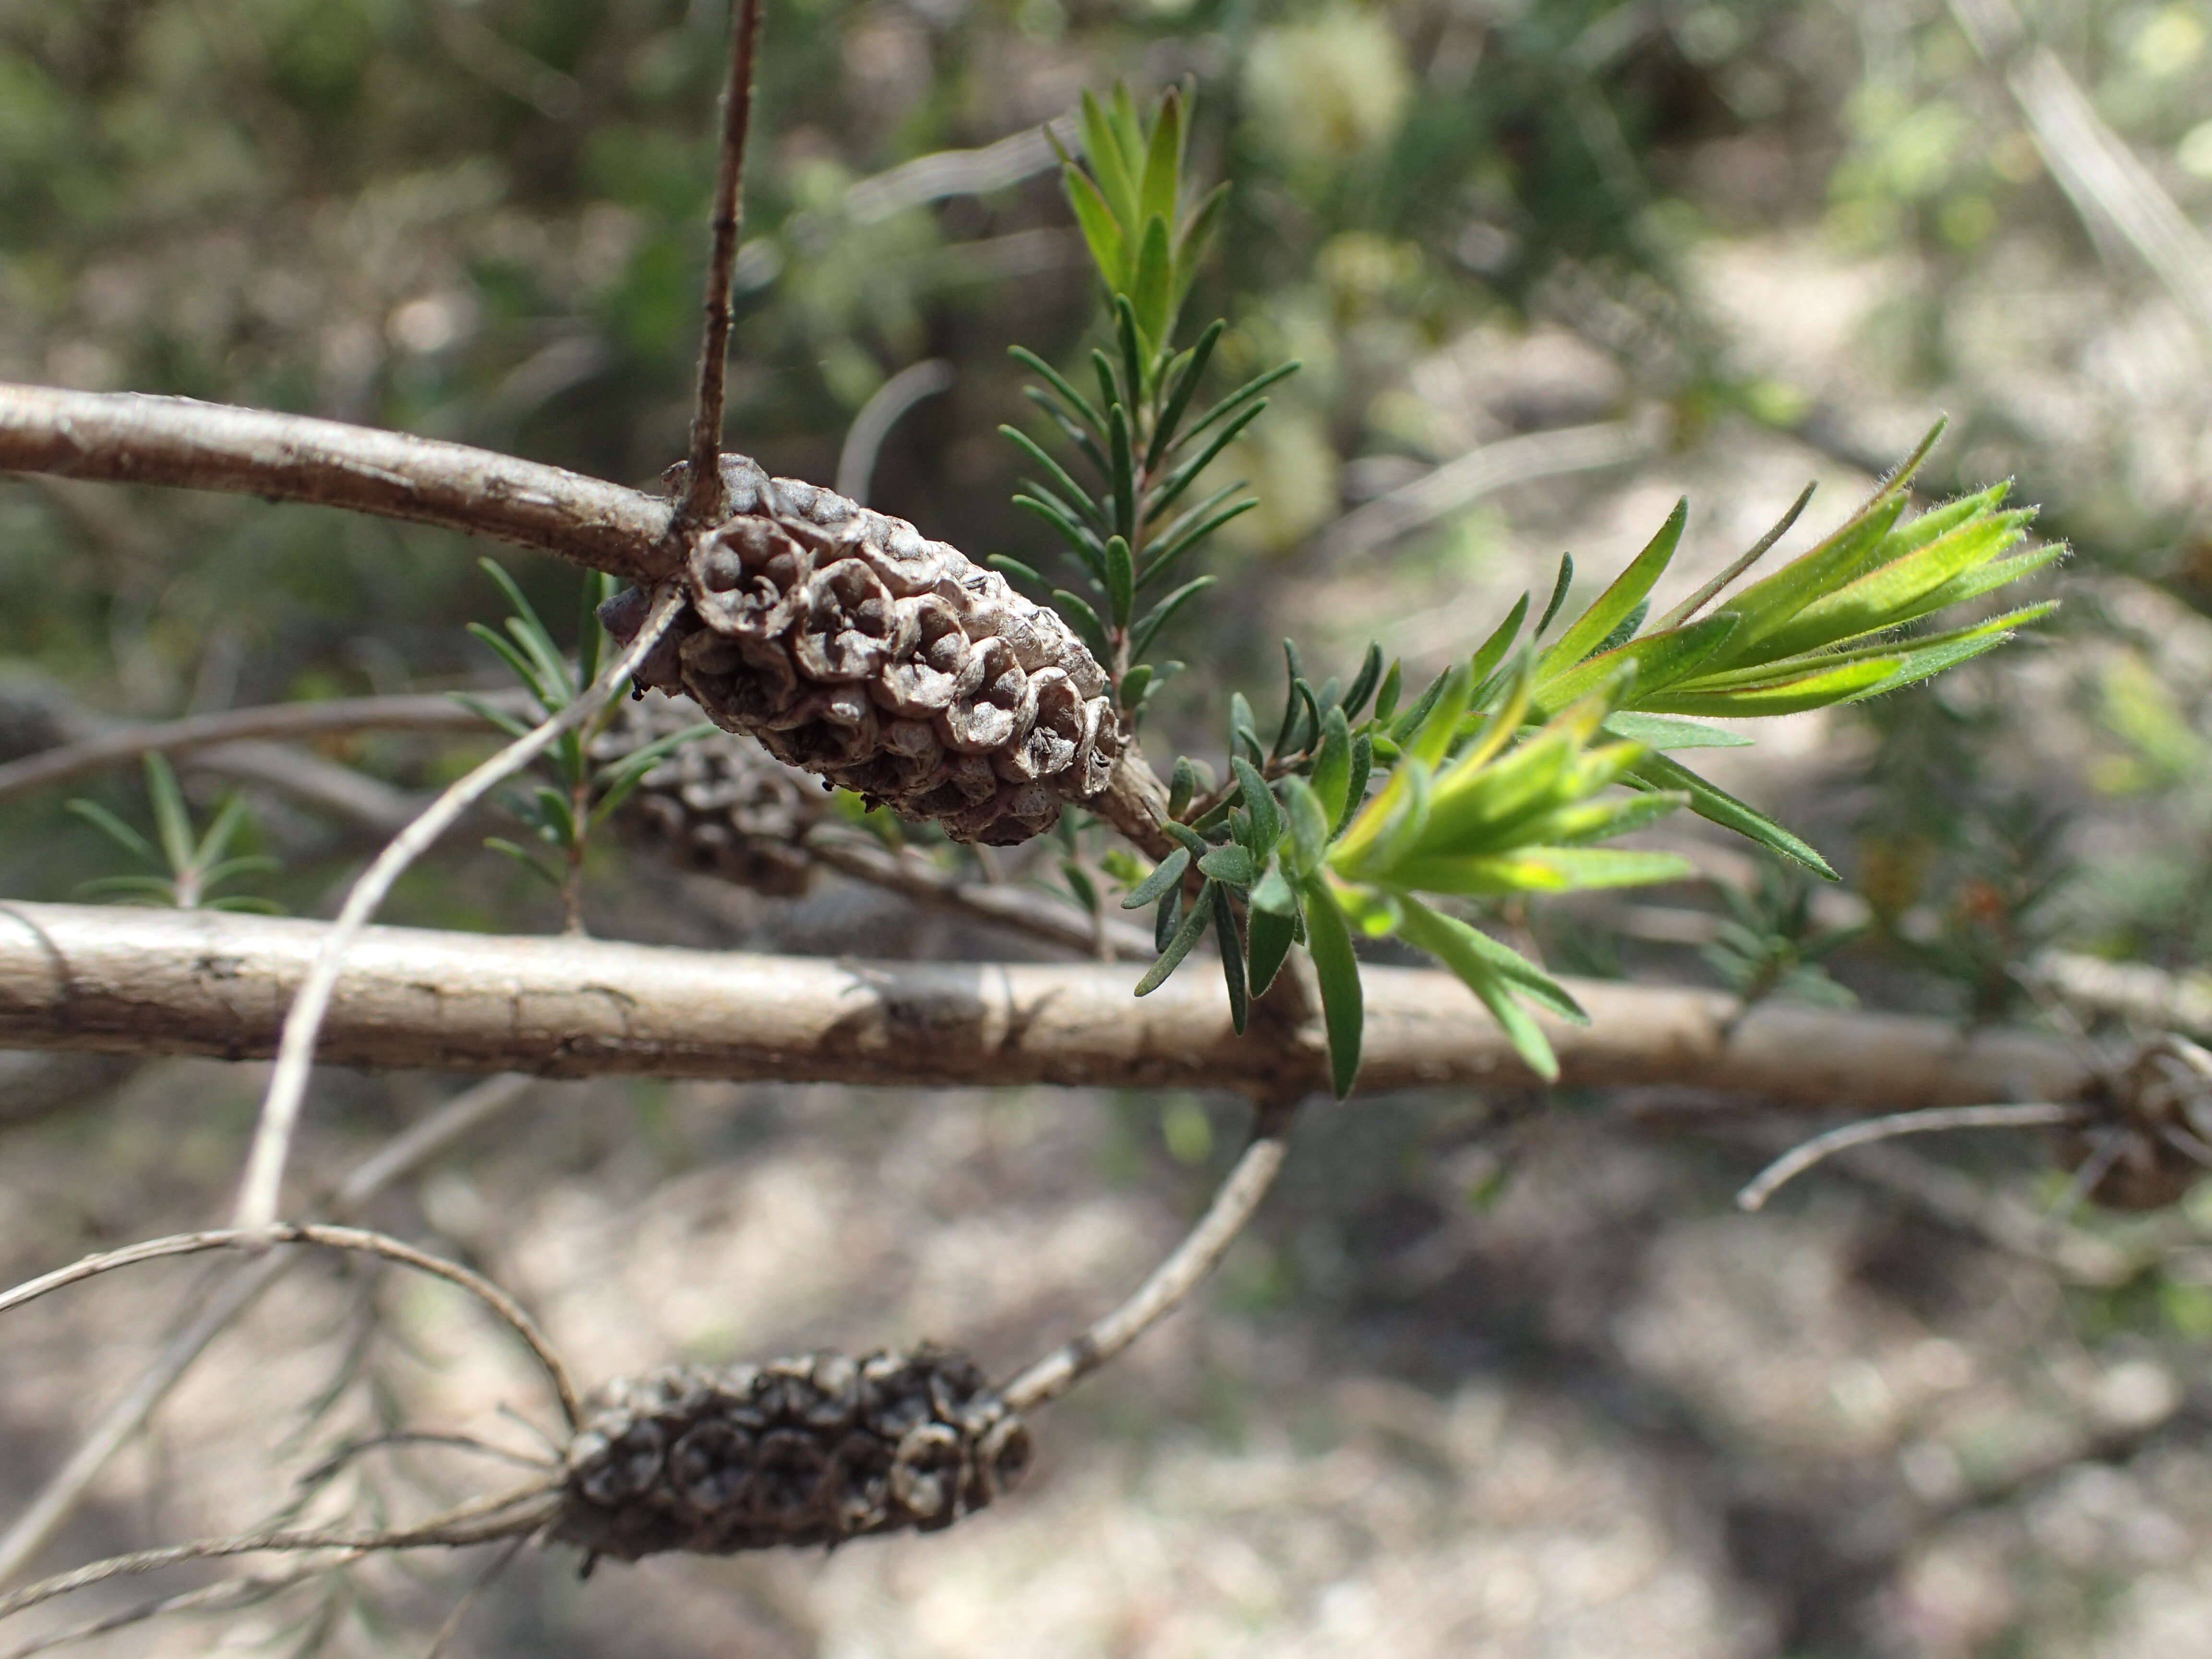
(1744, 244)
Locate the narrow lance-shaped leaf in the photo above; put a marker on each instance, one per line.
(1271, 926)
(1452, 942)
(1716, 804)
(1186, 935)
(1628, 590)
(1181, 392)
(1148, 626)
(1232, 961)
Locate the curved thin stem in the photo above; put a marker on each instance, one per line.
(336, 1238)
(856, 459)
(260, 1189)
(482, 1521)
(705, 502)
(222, 1596)
(1185, 1268)
(1930, 1120)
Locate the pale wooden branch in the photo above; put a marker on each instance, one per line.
(124, 980)
(128, 438)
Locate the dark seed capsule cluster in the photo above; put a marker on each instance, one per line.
(720, 802)
(853, 648)
(811, 1451)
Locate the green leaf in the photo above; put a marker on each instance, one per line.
(1193, 525)
(1231, 865)
(1181, 392)
(1664, 732)
(1181, 785)
(1237, 400)
(1166, 876)
(1059, 475)
(1151, 295)
(1564, 580)
(1132, 363)
(1493, 650)
(1364, 682)
(1884, 595)
(491, 716)
(523, 856)
(1193, 239)
(1331, 766)
(1060, 383)
(522, 667)
(1757, 550)
(159, 889)
(1121, 472)
(1270, 927)
(1430, 740)
(1539, 870)
(1079, 883)
(1716, 805)
(1611, 607)
(1308, 826)
(1390, 826)
(1355, 786)
(1232, 961)
(115, 829)
(1344, 1011)
(1164, 495)
(1167, 919)
(1656, 660)
(1178, 947)
(1129, 131)
(1241, 727)
(1013, 566)
(1116, 190)
(1121, 580)
(1845, 683)
(1086, 546)
(1946, 651)
(1162, 175)
(1385, 699)
(1085, 620)
(1259, 801)
(1069, 427)
(1471, 954)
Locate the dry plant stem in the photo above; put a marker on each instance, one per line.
(462, 1609)
(283, 720)
(1175, 1278)
(59, 1499)
(260, 1189)
(337, 1238)
(706, 500)
(864, 439)
(1014, 907)
(145, 982)
(1930, 1120)
(128, 438)
(217, 1597)
(485, 1521)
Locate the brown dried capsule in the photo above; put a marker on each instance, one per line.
(720, 802)
(811, 1451)
(853, 648)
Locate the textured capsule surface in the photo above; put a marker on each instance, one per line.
(718, 802)
(853, 648)
(811, 1450)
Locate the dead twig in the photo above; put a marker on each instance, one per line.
(1185, 1268)
(259, 1189)
(705, 499)
(1928, 1121)
(337, 1238)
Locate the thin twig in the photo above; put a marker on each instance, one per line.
(336, 1238)
(914, 876)
(224, 1596)
(260, 1189)
(462, 1609)
(1928, 1121)
(346, 1454)
(705, 501)
(1185, 1268)
(59, 1499)
(283, 720)
(481, 1522)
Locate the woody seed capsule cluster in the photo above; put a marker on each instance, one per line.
(811, 1451)
(891, 665)
(720, 802)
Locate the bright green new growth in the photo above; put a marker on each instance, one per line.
(1505, 774)
(196, 864)
(1132, 531)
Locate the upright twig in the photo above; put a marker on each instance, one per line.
(259, 1191)
(705, 501)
